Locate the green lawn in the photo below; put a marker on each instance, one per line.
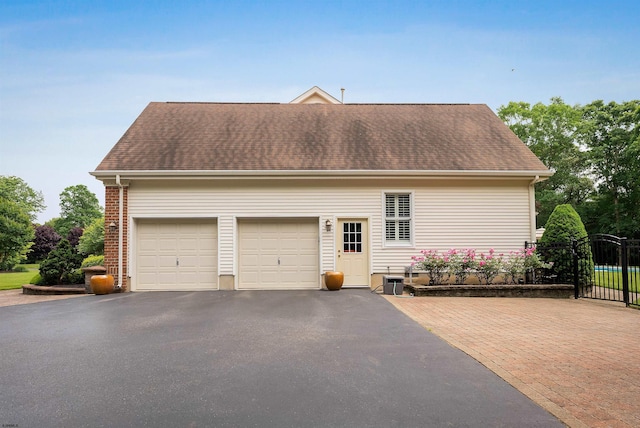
(12, 280)
(614, 280)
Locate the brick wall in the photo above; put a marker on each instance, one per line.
(112, 195)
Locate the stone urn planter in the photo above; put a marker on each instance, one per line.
(102, 284)
(333, 280)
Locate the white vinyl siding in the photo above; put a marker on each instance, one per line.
(445, 213)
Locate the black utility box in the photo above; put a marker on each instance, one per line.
(392, 284)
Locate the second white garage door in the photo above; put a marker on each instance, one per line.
(176, 255)
(278, 254)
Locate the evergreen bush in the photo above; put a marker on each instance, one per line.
(563, 227)
(60, 264)
(76, 277)
(37, 280)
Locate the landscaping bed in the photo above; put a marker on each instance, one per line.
(53, 289)
(556, 291)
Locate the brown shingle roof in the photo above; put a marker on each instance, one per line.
(243, 137)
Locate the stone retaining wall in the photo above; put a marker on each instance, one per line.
(51, 290)
(557, 291)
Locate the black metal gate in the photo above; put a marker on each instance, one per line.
(615, 275)
(603, 267)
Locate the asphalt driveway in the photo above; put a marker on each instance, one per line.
(268, 359)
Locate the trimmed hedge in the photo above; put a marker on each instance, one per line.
(60, 265)
(564, 226)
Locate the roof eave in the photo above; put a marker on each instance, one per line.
(208, 174)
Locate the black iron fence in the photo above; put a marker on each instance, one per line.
(600, 266)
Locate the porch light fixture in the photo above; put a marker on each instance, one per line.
(113, 226)
(327, 225)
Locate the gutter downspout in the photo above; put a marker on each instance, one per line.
(532, 209)
(120, 229)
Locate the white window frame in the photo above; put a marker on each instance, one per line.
(397, 243)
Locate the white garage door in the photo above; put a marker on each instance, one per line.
(177, 255)
(278, 254)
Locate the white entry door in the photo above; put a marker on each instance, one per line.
(353, 251)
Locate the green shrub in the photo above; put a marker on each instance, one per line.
(92, 240)
(564, 226)
(76, 277)
(93, 261)
(60, 264)
(20, 269)
(37, 280)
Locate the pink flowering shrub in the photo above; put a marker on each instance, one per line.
(461, 264)
(522, 261)
(489, 266)
(514, 267)
(433, 263)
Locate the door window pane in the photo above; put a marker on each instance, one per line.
(352, 237)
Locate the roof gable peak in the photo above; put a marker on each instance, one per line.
(315, 95)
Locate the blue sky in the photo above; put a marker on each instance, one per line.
(75, 74)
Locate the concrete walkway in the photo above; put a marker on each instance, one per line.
(579, 359)
(15, 297)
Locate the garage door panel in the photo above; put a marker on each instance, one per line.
(187, 244)
(166, 261)
(269, 260)
(166, 244)
(147, 244)
(268, 277)
(167, 277)
(149, 261)
(202, 261)
(278, 253)
(162, 243)
(207, 246)
(148, 277)
(307, 262)
(190, 262)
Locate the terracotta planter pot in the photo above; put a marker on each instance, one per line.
(333, 280)
(102, 284)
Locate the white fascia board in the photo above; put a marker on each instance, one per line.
(338, 174)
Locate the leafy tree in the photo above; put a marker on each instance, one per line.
(16, 233)
(74, 236)
(555, 134)
(56, 224)
(17, 190)
(564, 226)
(46, 239)
(60, 265)
(92, 240)
(78, 208)
(613, 138)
